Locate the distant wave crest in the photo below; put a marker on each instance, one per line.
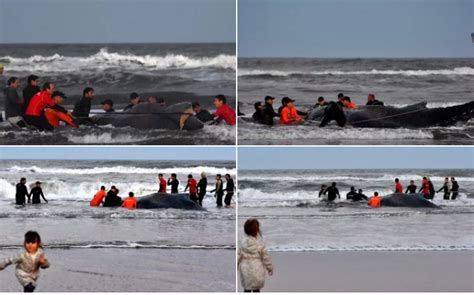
(462, 71)
(104, 60)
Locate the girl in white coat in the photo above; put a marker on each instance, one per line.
(253, 260)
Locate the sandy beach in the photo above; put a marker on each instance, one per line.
(370, 271)
(130, 270)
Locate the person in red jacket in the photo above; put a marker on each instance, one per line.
(398, 186)
(34, 114)
(425, 187)
(223, 111)
(130, 202)
(192, 185)
(348, 104)
(162, 183)
(289, 114)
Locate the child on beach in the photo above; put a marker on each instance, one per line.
(28, 263)
(253, 258)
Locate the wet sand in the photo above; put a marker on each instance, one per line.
(370, 271)
(130, 270)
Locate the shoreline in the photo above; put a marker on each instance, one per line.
(371, 271)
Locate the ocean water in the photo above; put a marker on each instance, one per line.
(68, 223)
(396, 82)
(293, 218)
(175, 72)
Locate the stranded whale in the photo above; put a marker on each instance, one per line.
(152, 116)
(407, 200)
(166, 201)
(412, 116)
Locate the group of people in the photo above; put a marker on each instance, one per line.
(34, 108)
(197, 191)
(289, 115)
(450, 189)
(33, 197)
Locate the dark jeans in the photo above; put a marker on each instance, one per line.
(29, 288)
(228, 198)
(39, 122)
(201, 197)
(193, 197)
(219, 196)
(454, 195)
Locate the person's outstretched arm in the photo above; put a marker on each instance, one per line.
(11, 260)
(267, 260)
(42, 195)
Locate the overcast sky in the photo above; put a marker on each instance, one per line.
(118, 153)
(356, 157)
(116, 21)
(356, 28)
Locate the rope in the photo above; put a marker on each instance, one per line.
(387, 117)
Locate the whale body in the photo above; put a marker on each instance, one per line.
(412, 116)
(151, 116)
(167, 201)
(407, 200)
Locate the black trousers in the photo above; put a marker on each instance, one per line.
(454, 195)
(228, 198)
(219, 196)
(201, 197)
(39, 122)
(29, 288)
(20, 200)
(446, 196)
(193, 197)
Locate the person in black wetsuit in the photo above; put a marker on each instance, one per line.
(350, 195)
(202, 187)
(21, 192)
(35, 194)
(321, 102)
(82, 108)
(134, 100)
(174, 183)
(411, 188)
(333, 112)
(371, 101)
(112, 199)
(229, 189)
(258, 115)
(333, 192)
(268, 113)
(108, 106)
(454, 189)
(445, 188)
(219, 192)
(31, 89)
(340, 99)
(201, 114)
(432, 189)
(359, 196)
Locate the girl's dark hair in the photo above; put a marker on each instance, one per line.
(252, 227)
(32, 237)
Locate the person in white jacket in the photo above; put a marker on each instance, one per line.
(253, 260)
(28, 263)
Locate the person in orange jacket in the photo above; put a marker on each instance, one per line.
(348, 104)
(98, 197)
(130, 202)
(289, 114)
(375, 201)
